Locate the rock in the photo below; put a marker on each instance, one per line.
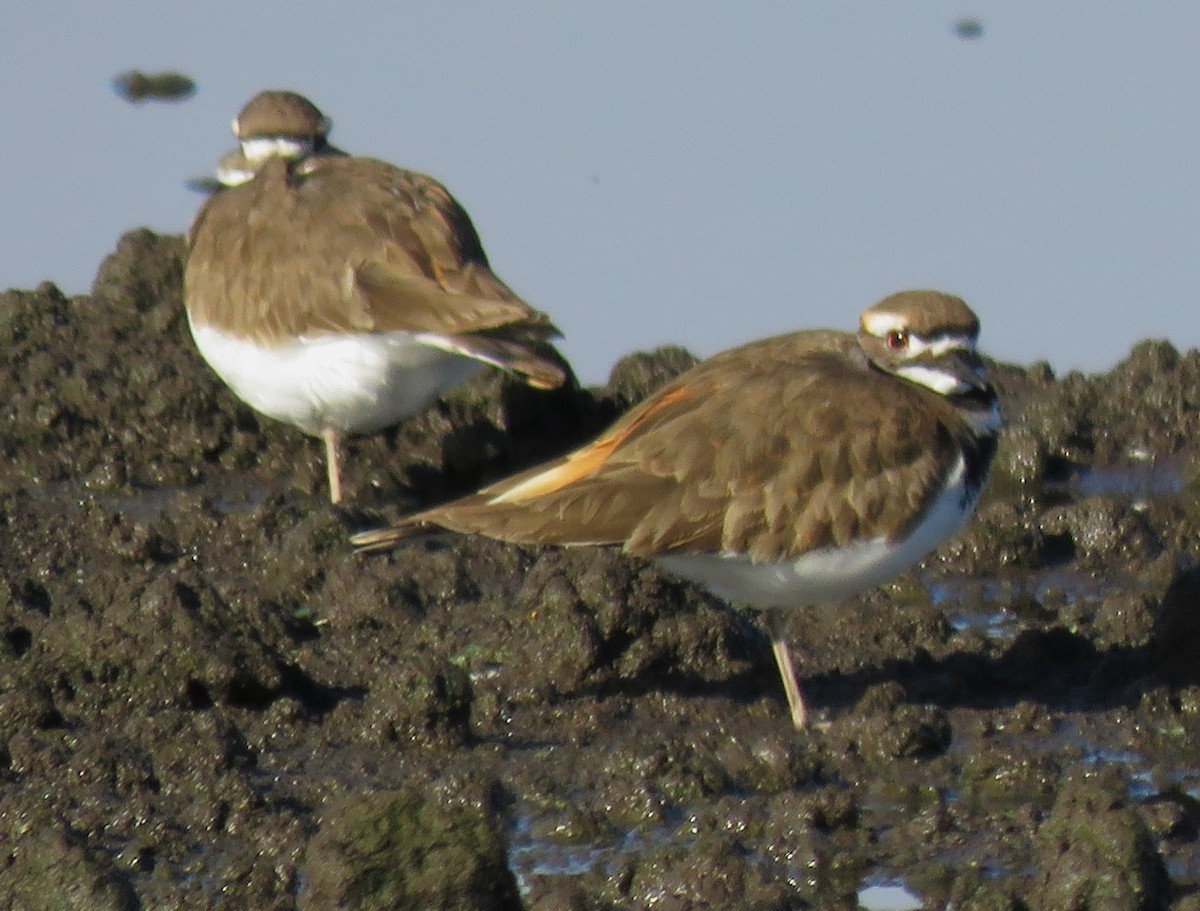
(1101, 530)
(400, 850)
(1175, 640)
(636, 375)
(1094, 851)
(48, 868)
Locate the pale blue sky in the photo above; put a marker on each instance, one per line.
(674, 171)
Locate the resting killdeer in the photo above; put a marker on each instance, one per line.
(284, 124)
(274, 123)
(342, 294)
(791, 471)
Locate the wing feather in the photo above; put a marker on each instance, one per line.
(367, 247)
(748, 452)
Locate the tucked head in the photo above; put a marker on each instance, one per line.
(234, 168)
(925, 337)
(281, 123)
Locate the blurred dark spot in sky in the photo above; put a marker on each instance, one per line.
(968, 28)
(135, 86)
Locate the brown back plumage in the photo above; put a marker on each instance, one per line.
(346, 244)
(771, 449)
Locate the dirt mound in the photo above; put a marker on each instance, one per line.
(207, 701)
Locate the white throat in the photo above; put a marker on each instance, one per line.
(232, 175)
(940, 381)
(260, 148)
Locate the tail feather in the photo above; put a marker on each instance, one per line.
(536, 362)
(377, 539)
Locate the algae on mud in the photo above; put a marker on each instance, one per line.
(199, 682)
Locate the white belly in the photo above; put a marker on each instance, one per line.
(829, 574)
(350, 383)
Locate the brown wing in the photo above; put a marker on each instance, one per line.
(771, 449)
(347, 244)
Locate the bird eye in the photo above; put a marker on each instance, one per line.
(897, 340)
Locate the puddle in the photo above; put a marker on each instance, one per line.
(888, 896)
(1135, 765)
(1000, 607)
(531, 855)
(1146, 479)
(976, 605)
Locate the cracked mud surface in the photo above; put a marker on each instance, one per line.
(208, 701)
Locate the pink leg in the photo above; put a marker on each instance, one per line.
(330, 436)
(787, 670)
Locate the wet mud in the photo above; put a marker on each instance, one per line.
(207, 701)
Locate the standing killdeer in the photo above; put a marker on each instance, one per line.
(341, 294)
(790, 471)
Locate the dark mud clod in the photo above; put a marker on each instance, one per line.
(401, 850)
(1094, 851)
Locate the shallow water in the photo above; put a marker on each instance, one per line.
(888, 896)
(1144, 478)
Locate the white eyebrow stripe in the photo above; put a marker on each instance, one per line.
(880, 324)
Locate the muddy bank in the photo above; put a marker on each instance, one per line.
(206, 701)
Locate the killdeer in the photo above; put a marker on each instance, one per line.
(284, 124)
(272, 123)
(342, 294)
(791, 471)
